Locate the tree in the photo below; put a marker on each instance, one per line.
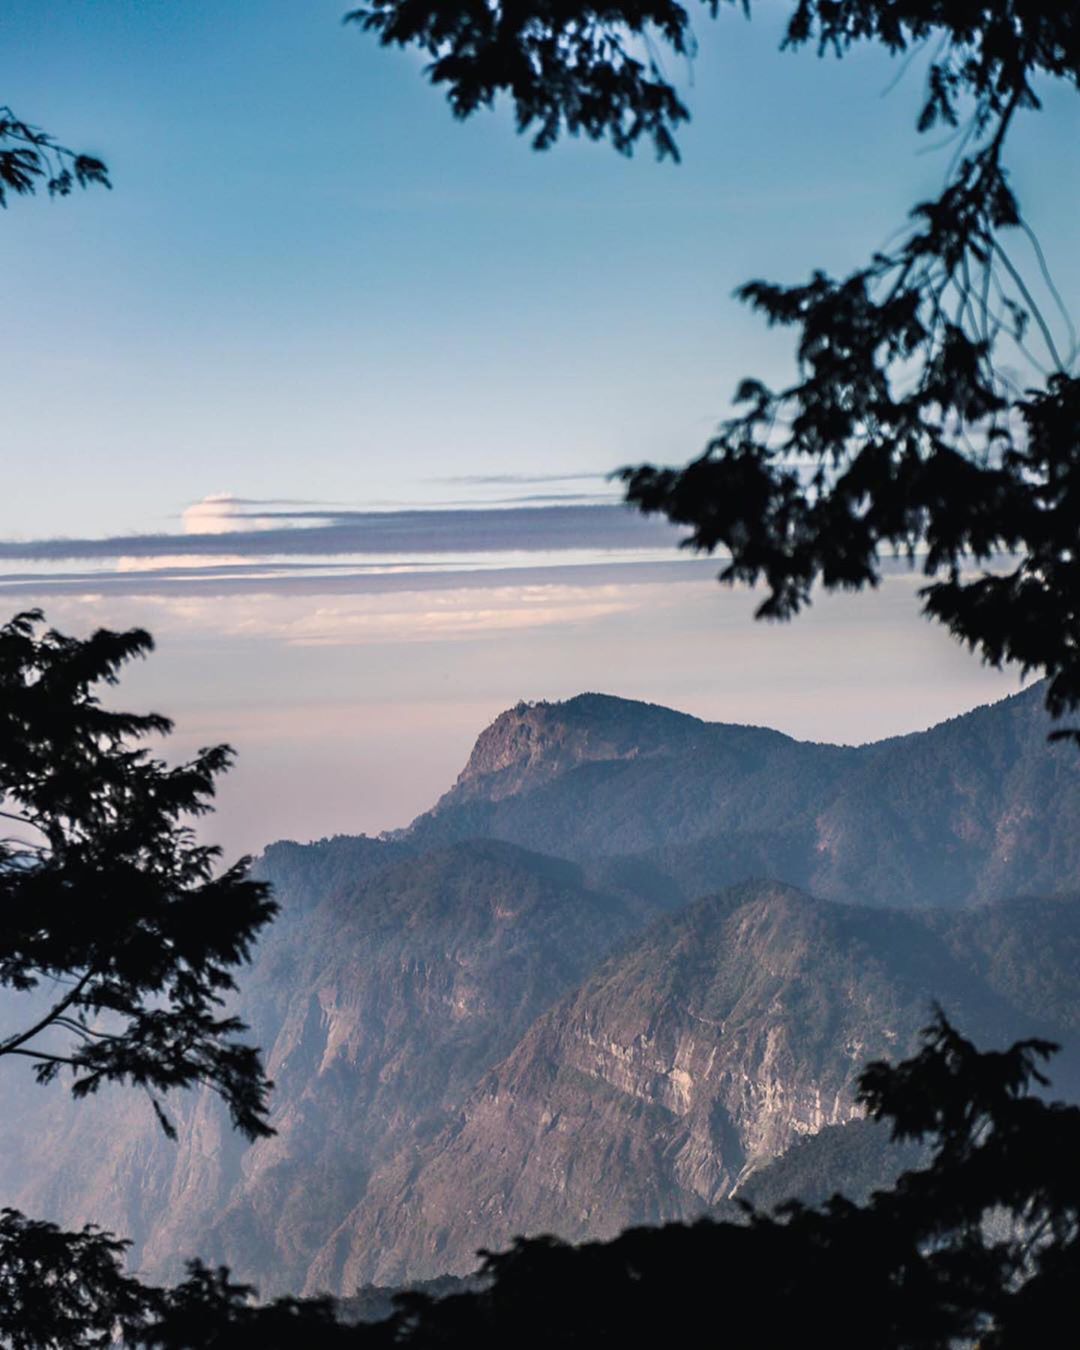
(121, 935)
(30, 158)
(209, 1311)
(111, 910)
(65, 1291)
(902, 431)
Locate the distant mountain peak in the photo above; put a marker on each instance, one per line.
(966, 810)
(532, 743)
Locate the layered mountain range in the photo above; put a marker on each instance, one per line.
(627, 968)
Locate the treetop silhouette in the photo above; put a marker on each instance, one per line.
(113, 915)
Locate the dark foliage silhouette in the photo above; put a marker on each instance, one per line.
(209, 1311)
(566, 67)
(119, 936)
(30, 158)
(904, 429)
(113, 916)
(65, 1290)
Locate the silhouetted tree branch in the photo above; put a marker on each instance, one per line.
(579, 68)
(110, 908)
(30, 158)
(904, 431)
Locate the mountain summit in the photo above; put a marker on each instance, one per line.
(977, 808)
(531, 743)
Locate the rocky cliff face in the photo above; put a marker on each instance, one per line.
(600, 777)
(683, 1064)
(532, 743)
(378, 1008)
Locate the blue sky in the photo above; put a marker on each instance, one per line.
(310, 276)
(312, 287)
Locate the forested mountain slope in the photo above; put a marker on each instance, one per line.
(378, 1007)
(980, 807)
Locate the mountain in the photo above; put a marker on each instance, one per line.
(978, 808)
(378, 1007)
(600, 778)
(853, 1159)
(684, 1063)
(519, 1013)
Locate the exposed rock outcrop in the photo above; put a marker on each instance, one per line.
(705, 1049)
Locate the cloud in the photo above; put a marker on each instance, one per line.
(216, 514)
(452, 616)
(171, 564)
(347, 620)
(315, 532)
(520, 479)
(300, 579)
(224, 513)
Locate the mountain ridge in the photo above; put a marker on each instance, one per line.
(531, 730)
(975, 808)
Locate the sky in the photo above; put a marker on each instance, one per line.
(326, 390)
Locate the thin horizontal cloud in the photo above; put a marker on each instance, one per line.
(545, 498)
(520, 479)
(329, 533)
(291, 579)
(454, 614)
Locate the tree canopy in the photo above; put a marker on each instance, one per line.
(595, 69)
(116, 924)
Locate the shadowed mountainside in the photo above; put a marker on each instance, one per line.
(978, 808)
(378, 1008)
